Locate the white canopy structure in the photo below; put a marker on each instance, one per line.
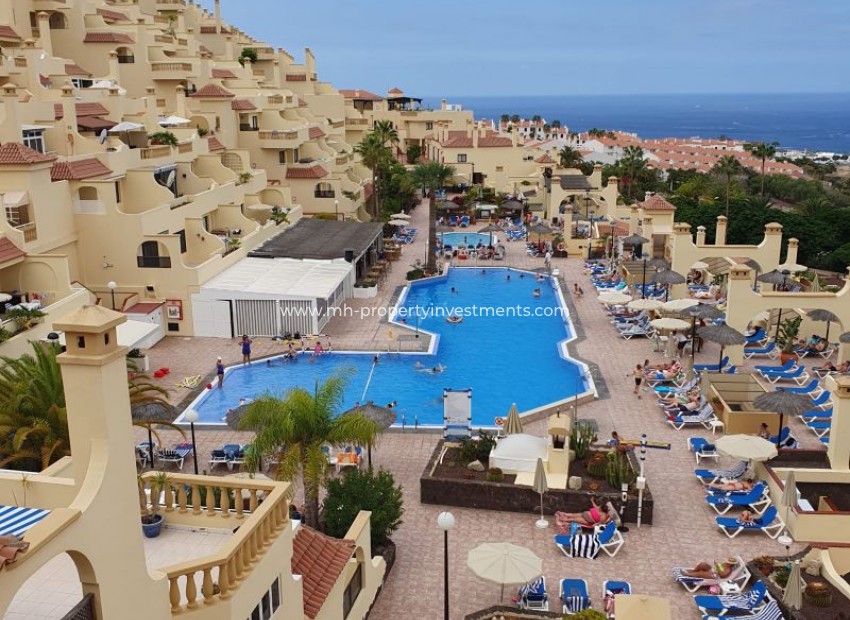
(270, 297)
(132, 334)
(516, 453)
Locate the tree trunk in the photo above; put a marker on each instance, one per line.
(431, 265)
(728, 187)
(375, 194)
(311, 507)
(762, 177)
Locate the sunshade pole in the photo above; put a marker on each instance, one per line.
(150, 443)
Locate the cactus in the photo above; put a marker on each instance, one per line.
(619, 470)
(581, 436)
(597, 465)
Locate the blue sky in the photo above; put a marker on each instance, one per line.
(561, 47)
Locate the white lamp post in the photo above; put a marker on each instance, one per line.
(111, 285)
(446, 521)
(192, 417)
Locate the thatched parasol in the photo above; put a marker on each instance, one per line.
(723, 335)
(823, 315)
(784, 403)
(667, 277)
(383, 417)
(151, 412)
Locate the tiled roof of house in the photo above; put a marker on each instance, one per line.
(213, 91)
(94, 123)
(85, 108)
(7, 32)
(115, 16)
(395, 91)
(301, 103)
(214, 144)
(145, 307)
(242, 105)
(657, 203)
(9, 251)
(107, 37)
(313, 172)
(494, 141)
(16, 154)
(356, 93)
(223, 74)
(75, 69)
(78, 170)
(296, 77)
(457, 140)
(316, 132)
(545, 159)
(320, 560)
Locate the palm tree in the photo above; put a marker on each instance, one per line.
(293, 429)
(634, 162)
(505, 118)
(514, 118)
(814, 206)
(728, 166)
(764, 151)
(386, 132)
(373, 153)
(568, 157)
(556, 123)
(432, 175)
(536, 118)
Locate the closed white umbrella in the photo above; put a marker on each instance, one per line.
(540, 486)
(793, 595)
(614, 298)
(677, 305)
(789, 492)
(645, 304)
(513, 425)
(746, 447)
(504, 564)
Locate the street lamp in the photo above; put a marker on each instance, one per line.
(111, 285)
(643, 286)
(191, 418)
(336, 209)
(446, 522)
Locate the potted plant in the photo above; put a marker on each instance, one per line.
(163, 137)
(25, 318)
(764, 564)
(786, 338)
(139, 360)
(151, 519)
(244, 177)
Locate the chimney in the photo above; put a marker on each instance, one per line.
(217, 13)
(720, 231)
(44, 32)
(114, 67)
(443, 104)
(791, 253)
(700, 235)
(474, 138)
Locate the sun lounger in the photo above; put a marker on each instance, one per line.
(713, 475)
(610, 589)
(702, 449)
(770, 611)
(739, 577)
(574, 595)
(820, 428)
(578, 545)
(813, 389)
(610, 539)
(824, 401)
(711, 367)
(757, 338)
(798, 376)
(813, 415)
(770, 523)
(635, 332)
(703, 417)
(176, 455)
(15, 520)
(771, 351)
(533, 595)
(785, 439)
(786, 367)
(749, 602)
(756, 498)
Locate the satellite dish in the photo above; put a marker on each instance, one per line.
(103, 135)
(172, 176)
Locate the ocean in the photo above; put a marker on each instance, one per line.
(814, 122)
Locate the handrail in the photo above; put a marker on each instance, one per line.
(258, 528)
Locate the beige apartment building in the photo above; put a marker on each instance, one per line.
(96, 208)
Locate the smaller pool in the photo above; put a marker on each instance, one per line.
(456, 239)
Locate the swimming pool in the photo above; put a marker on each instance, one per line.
(456, 239)
(509, 348)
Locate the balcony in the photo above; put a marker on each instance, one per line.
(153, 262)
(29, 230)
(171, 70)
(326, 193)
(247, 127)
(356, 122)
(155, 152)
(280, 139)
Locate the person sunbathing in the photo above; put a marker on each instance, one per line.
(596, 515)
(734, 485)
(748, 518)
(672, 398)
(718, 570)
(665, 375)
(693, 404)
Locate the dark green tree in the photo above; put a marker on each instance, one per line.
(359, 490)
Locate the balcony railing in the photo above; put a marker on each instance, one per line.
(247, 127)
(275, 99)
(171, 66)
(154, 262)
(153, 152)
(326, 193)
(259, 525)
(29, 230)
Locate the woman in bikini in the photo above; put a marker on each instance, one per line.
(596, 515)
(718, 570)
(742, 485)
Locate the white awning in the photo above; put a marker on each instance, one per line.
(130, 333)
(15, 199)
(279, 278)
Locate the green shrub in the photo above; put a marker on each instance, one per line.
(477, 449)
(619, 470)
(360, 490)
(25, 318)
(581, 436)
(415, 274)
(163, 137)
(589, 614)
(781, 577)
(494, 474)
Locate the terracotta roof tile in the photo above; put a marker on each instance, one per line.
(94, 123)
(223, 74)
(296, 77)
(213, 91)
(313, 172)
(316, 132)
(214, 144)
(242, 105)
(356, 93)
(395, 91)
(545, 159)
(114, 16)
(75, 69)
(657, 203)
(16, 154)
(9, 251)
(494, 141)
(7, 32)
(457, 140)
(301, 103)
(320, 560)
(143, 307)
(78, 170)
(107, 37)
(86, 108)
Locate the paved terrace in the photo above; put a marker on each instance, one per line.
(683, 532)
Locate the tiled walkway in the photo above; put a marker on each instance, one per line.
(683, 531)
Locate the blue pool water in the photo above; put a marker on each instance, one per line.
(456, 239)
(512, 358)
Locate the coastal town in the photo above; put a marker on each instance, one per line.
(276, 348)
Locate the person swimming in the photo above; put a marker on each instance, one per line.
(431, 371)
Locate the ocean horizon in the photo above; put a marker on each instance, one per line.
(807, 121)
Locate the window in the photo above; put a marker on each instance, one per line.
(268, 604)
(117, 192)
(182, 235)
(167, 177)
(174, 327)
(150, 257)
(81, 82)
(324, 190)
(429, 125)
(500, 168)
(125, 56)
(461, 158)
(281, 157)
(33, 138)
(352, 591)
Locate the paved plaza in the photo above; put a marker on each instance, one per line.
(683, 531)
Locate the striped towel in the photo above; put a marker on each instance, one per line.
(574, 604)
(532, 587)
(16, 521)
(584, 546)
